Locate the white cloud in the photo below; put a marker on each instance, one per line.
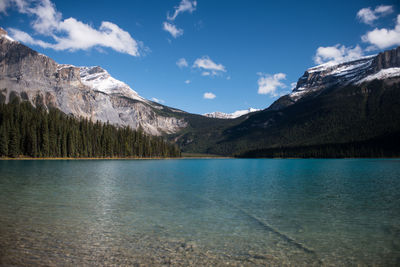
(293, 85)
(26, 38)
(384, 38)
(48, 19)
(368, 16)
(209, 95)
(172, 29)
(157, 100)
(384, 9)
(182, 63)
(187, 81)
(208, 66)
(71, 34)
(269, 84)
(5, 4)
(337, 53)
(184, 6)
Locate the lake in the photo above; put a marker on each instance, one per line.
(200, 212)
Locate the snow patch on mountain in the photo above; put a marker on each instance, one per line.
(236, 114)
(381, 75)
(100, 80)
(331, 73)
(334, 67)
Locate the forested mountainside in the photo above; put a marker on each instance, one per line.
(36, 132)
(334, 111)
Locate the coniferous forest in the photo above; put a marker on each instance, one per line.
(35, 132)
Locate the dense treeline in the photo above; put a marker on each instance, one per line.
(35, 132)
(384, 146)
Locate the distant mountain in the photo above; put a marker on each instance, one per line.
(234, 115)
(88, 92)
(344, 109)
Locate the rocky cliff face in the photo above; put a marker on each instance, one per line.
(385, 60)
(83, 92)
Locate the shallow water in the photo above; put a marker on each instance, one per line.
(200, 212)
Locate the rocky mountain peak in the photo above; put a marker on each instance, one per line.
(314, 80)
(3, 32)
(4, 35)
(85, 92)
(100, 80)
(330, 74)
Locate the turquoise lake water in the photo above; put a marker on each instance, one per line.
(200, 211)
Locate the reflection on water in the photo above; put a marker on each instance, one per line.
(200, 212)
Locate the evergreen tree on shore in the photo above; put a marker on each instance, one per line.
(35, 132)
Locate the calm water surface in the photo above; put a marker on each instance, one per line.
(200, 212)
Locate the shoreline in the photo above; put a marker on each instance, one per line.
(112, 158)
(171, 158)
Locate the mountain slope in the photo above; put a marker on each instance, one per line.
(345, 103)
(88, 92)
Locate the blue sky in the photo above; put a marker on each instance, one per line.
(245, 53)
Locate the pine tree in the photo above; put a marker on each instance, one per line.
(3, 142)
(31, 148)
(13, 146)
(44, 145)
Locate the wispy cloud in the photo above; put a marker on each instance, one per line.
(368, 15)
(184, 6)
(208, 66)
(181, 63)
(209, 95)
(269, 84)
(384, 38)
(21, 5)
(69, 34)
(157, 100)
(187, 81)
(337, 53)
(172, 29)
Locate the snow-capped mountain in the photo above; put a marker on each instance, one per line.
(315, 80)
(88, 92)
(328, 74)
(236, 114)
(383, 66)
